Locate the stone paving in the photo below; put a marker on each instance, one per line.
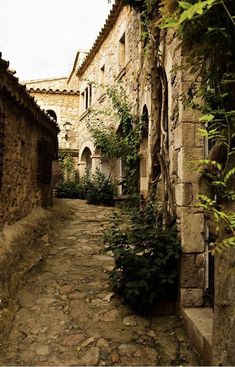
(66, 313)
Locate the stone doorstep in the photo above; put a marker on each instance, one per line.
(199, 325)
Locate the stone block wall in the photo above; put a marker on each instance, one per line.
(107, 60)
(66, 107)
(24, 126)
(185, 148)
(20, 191)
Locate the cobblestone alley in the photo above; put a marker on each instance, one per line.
(66, 313)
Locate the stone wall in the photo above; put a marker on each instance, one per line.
(185, 147)
(117, 61)
(66, 107)
(24, 125)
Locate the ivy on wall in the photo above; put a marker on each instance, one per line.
(120, 142)
(206, 29)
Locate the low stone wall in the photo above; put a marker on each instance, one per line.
(23, 247)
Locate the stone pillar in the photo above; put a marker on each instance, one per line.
(95, 163)
(188, 148)
(81, 168)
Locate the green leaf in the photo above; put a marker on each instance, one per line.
(229, 174)
(185, 4)
(207, 118)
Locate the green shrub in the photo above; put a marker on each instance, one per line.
(96, 189)
(68, 189)
(146, 258)
(101, 190)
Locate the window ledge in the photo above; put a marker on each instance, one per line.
(102, 97)
(121, 73)
(84, 114)
(199, 325)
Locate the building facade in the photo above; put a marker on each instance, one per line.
(171, 137)
(28, 146)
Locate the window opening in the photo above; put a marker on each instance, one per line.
(52, 114)
(122, 50)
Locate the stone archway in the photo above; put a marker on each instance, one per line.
(85, 161)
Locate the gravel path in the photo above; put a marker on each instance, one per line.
(66, 313)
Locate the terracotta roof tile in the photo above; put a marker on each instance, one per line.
(102, 35)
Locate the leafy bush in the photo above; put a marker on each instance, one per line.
(146, 258)
(101, 190)
(96, 189)
(68, 189)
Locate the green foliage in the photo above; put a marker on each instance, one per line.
(96, 189)
(101, 190)
(66, 160)
(146, 257)
(68, 189)
(207, 31)
(122, 142)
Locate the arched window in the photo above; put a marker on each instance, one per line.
(145, 122)
(143, 163)
(52, 114)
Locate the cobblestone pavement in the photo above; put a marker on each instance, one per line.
(66, 313)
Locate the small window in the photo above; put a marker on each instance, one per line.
(87, 97)
(102, 78)
(122, 51)
(83, 102)
(52, 114)
(90, 95)
(44, 162)
(1, 145)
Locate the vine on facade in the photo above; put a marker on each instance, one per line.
(121, 139)
(206, 29)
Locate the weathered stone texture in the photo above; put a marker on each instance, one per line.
(24, 125)
(192, 230)
(224, 309)
(66, 107)
(183, 194)
(192, 275)
(191, 297)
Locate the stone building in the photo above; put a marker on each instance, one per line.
(28, 146)
(28, 149)
(117, 56)
(60, 98)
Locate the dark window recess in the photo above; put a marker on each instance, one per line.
(1, 145)
(52, 114)
(44, 160)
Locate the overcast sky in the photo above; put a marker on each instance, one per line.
(40, 38)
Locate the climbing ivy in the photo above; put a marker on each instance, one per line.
(122, 141)
(206, 29)
(66, 163)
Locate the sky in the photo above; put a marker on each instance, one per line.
(40, 38)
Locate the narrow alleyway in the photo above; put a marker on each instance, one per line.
(66, 313)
